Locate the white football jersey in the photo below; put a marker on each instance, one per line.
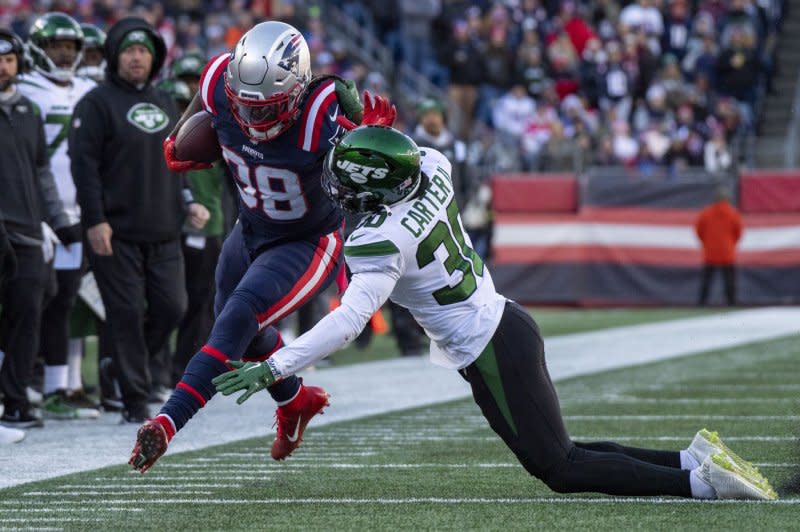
(57, 104)
(440, 278)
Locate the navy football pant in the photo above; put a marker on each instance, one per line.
(512, 386)
(252, 294)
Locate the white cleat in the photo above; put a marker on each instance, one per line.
(9, 435)
(732, 482)
(708, 443)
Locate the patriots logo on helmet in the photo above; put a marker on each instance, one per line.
(291, 55)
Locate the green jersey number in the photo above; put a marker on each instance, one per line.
(460, 257)
(63, 122)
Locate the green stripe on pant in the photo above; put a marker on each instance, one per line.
(487, 365)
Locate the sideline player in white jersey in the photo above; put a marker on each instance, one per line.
(55, 44)
(412, 247)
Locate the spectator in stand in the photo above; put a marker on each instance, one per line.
(432, 131)
(677, 29)
(512, 112)
(742, 16)
(564, 63)
(580, 125)
(532, 72)
(643, 15)
(616, 85)
(640, 62)
(719, 228)
(654, 114)
(702, 49)
(671, 78)
(561, 153)
(624, 147)
(593, 61)
(460, 57)
(716, 155)
(576, 28)
(497, 70)
(688, 140)
(737, 71)
(536, 135)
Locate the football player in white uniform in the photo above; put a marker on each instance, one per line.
(412, 247)
(93, 62)
(55, 44)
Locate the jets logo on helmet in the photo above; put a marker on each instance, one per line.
(359, 173)
(370, 167)
(268, 72)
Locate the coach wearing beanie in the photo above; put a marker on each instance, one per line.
(132, 207)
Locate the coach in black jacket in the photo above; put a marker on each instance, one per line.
(28, 197)
(132, 206)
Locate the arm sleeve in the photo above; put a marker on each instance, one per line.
(85, 147)
(363, 297)
(54, 209)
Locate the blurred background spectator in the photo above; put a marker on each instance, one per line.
(644, 62)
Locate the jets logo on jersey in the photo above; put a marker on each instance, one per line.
(148, 117)
(359, 173)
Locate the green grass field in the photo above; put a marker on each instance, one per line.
(442, 468)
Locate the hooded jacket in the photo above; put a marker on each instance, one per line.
(115, 150)
(29, 194)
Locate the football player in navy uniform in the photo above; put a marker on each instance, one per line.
(275, 124)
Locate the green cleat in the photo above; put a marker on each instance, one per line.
(730, 481)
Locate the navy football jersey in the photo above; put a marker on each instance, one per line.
(280, 191)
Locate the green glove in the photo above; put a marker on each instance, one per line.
(347, 94)
(250, 376)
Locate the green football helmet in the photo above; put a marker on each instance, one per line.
(176, 88)
(54, 27)
(189, 65)
(93, 38)
(371, 166)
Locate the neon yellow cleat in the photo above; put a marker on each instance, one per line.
(732, 482)
(708, 443)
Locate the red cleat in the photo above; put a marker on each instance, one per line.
(152, 440)
(293, 417)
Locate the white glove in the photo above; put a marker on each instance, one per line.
(49, 240)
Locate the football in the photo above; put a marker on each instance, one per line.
(197, 140)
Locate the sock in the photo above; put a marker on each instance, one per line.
(700, 488)
(195, 389)
(166, 422)
(55, 378)
(688, 461)
(74, 359)
(285, 392)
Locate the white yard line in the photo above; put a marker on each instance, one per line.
(679, 417)
(385, 386)
(436, 501)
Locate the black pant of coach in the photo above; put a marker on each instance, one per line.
(22, 299)
(196, 324)
(142, 286)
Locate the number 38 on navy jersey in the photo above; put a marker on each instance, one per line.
(280, 194)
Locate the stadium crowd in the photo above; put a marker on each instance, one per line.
(536, 85)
